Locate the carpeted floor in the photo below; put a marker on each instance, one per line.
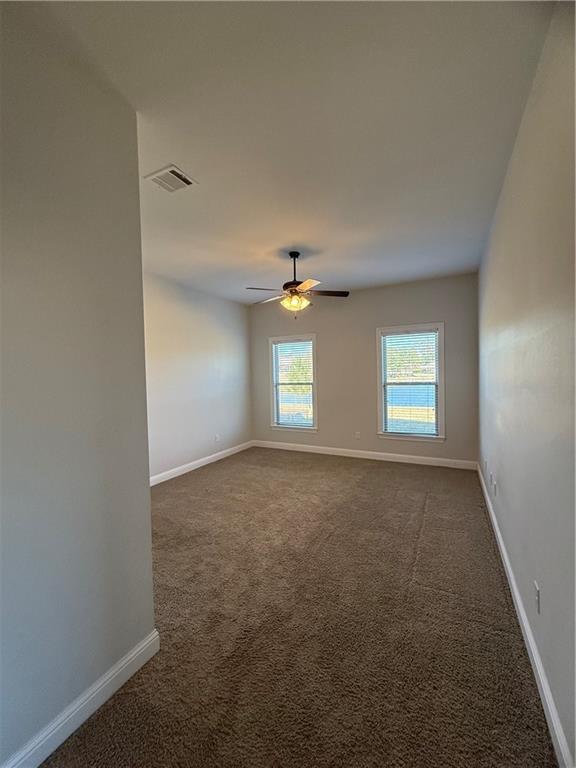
(324, 612)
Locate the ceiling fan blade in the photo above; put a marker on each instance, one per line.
(307, 285)
(272, 298)
(251, 288)
(330, 293)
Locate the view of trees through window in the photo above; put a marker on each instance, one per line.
(293, 383)
(410, 383)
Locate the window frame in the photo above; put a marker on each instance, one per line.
(398, 330)
(272, 383)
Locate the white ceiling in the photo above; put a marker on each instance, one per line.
(372, 136)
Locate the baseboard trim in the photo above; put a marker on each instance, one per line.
(376, 455)
(182, 470)
(32, 754)
(563, 754)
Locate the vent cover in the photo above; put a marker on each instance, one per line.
(171, 178)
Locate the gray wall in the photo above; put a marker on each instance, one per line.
(346, 361)
(76, 560)
(527, 360)
(197, 372)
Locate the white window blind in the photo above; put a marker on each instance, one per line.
(411, 382)
(293, 395)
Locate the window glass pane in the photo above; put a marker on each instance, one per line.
(293, 394)
(411, 409)
(293, 362)
(294, 405)
(410, 357)
(410, 382)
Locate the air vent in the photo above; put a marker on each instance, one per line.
(171, 178)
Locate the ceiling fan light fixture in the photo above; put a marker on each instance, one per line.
(294, 293)
(295, 303)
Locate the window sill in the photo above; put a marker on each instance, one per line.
(417, 438)
(293, 429)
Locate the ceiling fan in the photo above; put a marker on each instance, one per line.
(295, 294)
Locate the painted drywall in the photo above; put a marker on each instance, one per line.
(76, 546)
(197, 371)
(375, 133)
(527, 360)
(346, 358)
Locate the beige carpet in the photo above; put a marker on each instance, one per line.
(324, 612)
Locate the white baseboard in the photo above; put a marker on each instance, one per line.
(32, 754)
(561, 747)
(182, 470)
(355, 454)
(377, 455)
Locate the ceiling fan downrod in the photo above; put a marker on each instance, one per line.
(294, 255)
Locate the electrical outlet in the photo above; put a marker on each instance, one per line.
(357, 435)
(495, 488)
(216, 438)
(537, 596)
(491, 480)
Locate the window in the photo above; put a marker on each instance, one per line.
(411, 381)
(293, 382)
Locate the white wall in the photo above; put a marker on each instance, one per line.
(346, 364)
(198, 374)
(76, 548)
(527, 360)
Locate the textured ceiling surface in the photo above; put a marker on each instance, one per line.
(373, 137)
